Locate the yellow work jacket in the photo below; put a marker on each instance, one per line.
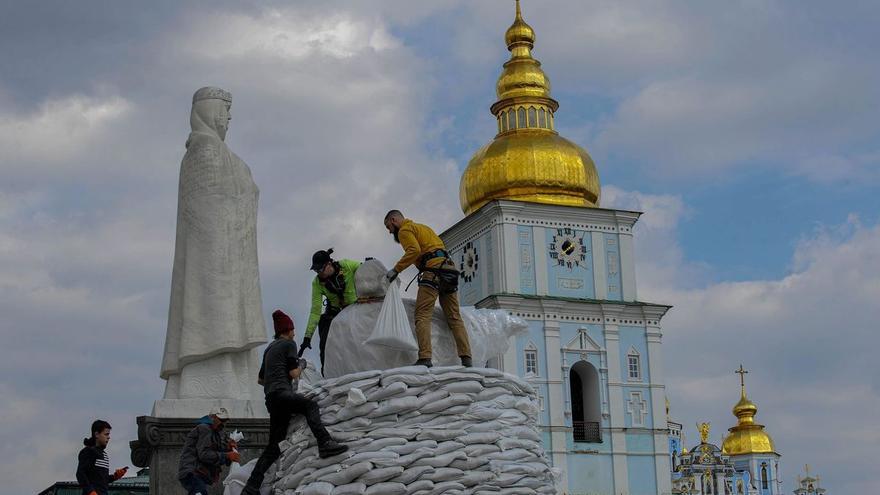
(417, 239)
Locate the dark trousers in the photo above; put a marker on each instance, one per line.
(324, 331)
(195, 484)
(283, 405)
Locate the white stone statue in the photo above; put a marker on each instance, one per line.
(215, 319)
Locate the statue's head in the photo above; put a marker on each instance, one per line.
(211, 111)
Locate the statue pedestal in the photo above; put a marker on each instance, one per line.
(161, 439)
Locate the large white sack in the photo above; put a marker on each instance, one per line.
(392, 329)
(237, 479)
(489, 331)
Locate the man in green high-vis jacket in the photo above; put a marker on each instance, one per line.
(335, 284)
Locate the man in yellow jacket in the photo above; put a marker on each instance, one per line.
(438, 277)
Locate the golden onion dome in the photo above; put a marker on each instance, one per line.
(528, 160)
(747, 437)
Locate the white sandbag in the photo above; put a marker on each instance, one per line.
(446, 487)
(386, 489)
(347, 475)
(294, 479)
(447, 403)
(439, 434)
(403, 461)
(518, 443)
(440, 460)
(475, 477)
(320, 488)
(511, 455)
(386, 391)
(392, 327)
(350, 489)
(409, 380)
(444, 474)
(477, 450)
(379, 475)
(411, 447)
(407, 433)
(524, 432)
(415, 486)
(349, 412)
(393, 406)
(465, 387)
(356, 397)
(482, 437)
(371, 456)
(382, 443)
(491, 392)
(446, 447)
(470, 463)
(412, 473)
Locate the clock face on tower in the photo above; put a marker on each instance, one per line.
(568, 249)
(469, 262)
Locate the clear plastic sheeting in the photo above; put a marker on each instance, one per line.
(406, 445)
(489, 331)
(392, 328)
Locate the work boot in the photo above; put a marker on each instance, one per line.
(424, 362)
(466, 361)
(330, 448)
(249, 490)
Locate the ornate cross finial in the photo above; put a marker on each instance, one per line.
(742, 377)
(704, 432)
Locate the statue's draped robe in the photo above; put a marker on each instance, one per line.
(215, 319)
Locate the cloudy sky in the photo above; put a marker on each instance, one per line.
(746, 131)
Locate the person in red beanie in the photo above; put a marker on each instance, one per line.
(281, 364)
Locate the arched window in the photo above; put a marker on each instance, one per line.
(550, 120)
(739, 487)
(503, 119)
(764, 480)
(522, 118)
(542, 119)
(511, 117)
(586, 415)
(499, 123)
(533, 117)
(633, 365)
(531, 360)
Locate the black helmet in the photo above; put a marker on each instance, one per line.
(321, 258)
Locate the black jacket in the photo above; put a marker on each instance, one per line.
(93, 470)
(204, 453)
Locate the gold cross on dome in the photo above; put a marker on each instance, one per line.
(742, 376)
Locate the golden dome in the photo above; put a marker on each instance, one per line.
(528, 160)
(747, 437)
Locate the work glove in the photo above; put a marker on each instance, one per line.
(232, 444)
(307, 344)
(119, 473)
(233, 456)
(391, 275)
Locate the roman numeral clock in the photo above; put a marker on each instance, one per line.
(469, 262)
(568, 249)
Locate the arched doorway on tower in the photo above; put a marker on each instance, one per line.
(586, 415)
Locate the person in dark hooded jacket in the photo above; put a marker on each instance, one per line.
(93, 470)
(205, 451)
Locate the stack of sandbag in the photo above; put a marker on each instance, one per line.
(420, 431)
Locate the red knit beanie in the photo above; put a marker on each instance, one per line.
(283, 323)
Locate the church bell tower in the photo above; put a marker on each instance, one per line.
(536, 242)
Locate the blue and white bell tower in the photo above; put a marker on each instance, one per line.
(536, 243)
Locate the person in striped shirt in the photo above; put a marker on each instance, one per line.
(93, 471)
